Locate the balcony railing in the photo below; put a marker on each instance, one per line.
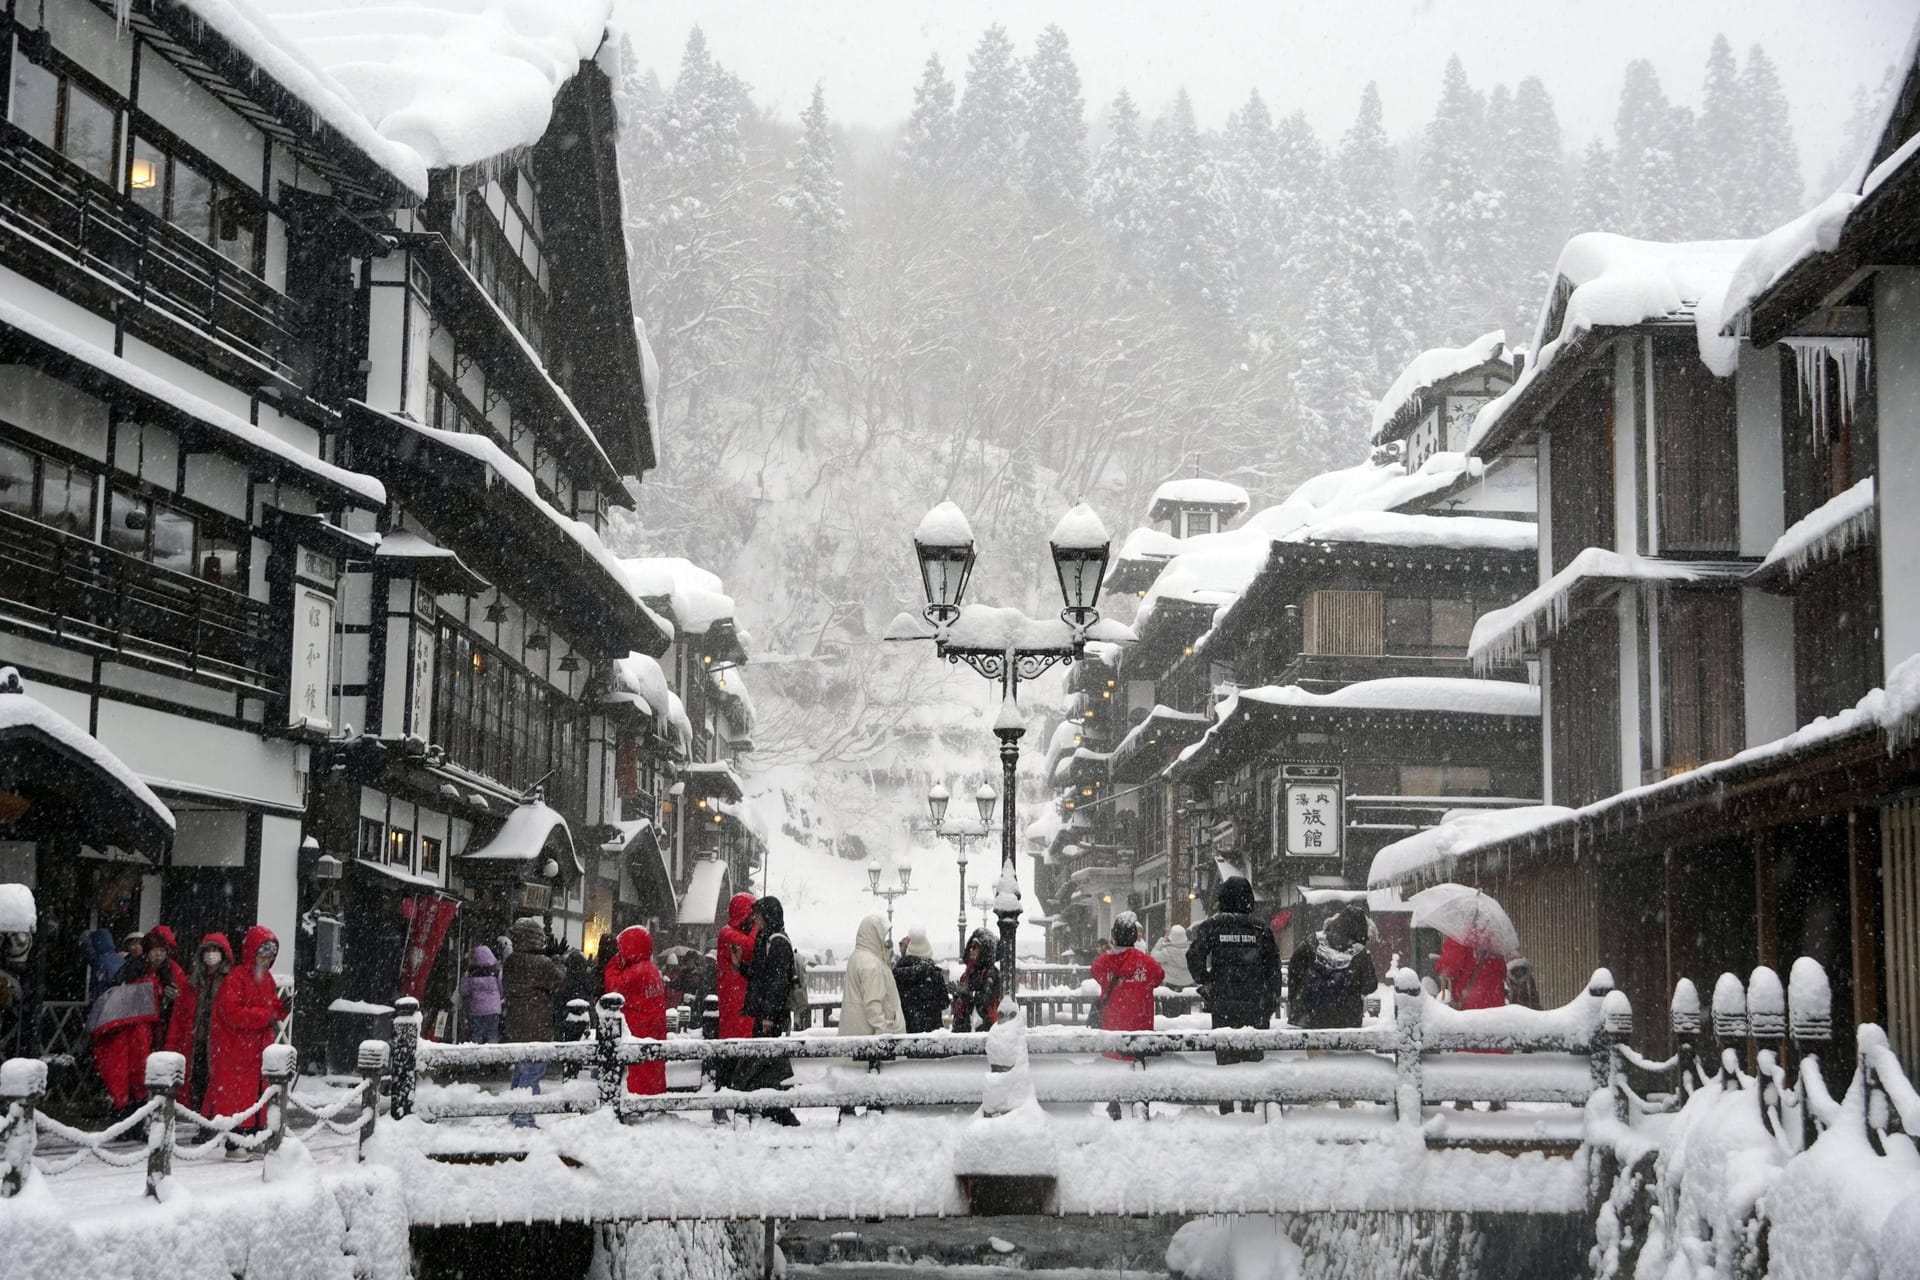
(79, 590)
(46, 204)
(1325, 672)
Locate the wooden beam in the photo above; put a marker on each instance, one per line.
(1766, 908)
(1865, 907)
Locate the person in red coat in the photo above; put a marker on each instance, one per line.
(168, 978)
(634, 975)
(1127, 977)
(246, 1016)
(734, 952)
(1476, 976)
(190, 1029)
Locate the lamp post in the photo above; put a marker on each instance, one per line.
(873, 887)
(1007, 646)
(961, 833)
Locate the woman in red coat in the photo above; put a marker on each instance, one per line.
(1127, 977)
(246, 1014)
(734, 952)
(634, 975)
(190, 1029)
(1477, 977)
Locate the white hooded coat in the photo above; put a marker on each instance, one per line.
(870, 1002)
(1172, 955)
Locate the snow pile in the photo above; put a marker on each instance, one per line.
(695, 596)
(1432, 854)
(17, 913)
(19, 709)
(981, 626)
(1198, 491)
(1507, 635)
(447, 82)
(1404, 693)
(1774, 254)
(1252, 1248)
(1828, 532)
(1400, 529)
(1214, 575)
(1430, 367)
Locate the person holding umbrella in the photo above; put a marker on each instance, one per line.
(1476, 938)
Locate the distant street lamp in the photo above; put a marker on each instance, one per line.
(1007, 646)
(873, 885)
(961, 832)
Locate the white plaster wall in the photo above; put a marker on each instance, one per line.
(279, 905)
(1767, 658)
(1896, 367)
(1543, 503)
(171, 748)
(1756, 388)
(1628, 609)
(187, 378)
(71, 316)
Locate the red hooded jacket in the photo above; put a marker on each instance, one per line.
(735, 950)
(186, 1010)
(1479, 978)
(634, 975)
(1127, 977)
(169, 991)
(243, 1016)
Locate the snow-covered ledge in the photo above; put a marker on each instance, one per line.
(1829, 531)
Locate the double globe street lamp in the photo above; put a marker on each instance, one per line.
(1008, 646)
(873, 887)
(961, 832)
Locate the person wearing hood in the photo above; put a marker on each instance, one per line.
(1236, 965)
(768, 1001)
(1172, 955)
(103, 959)
(1331, 973)
(480, 995)
(190, 1029)
(1127, 977)
(733, 955)
(921, 984)
(529, 980)
(976, 1002)
(634, 976)
(167, 977)
(870, 1000)
(247, 1014)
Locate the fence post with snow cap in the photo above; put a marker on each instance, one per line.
(1407, 1046)
(1810, 1023)
(276, 1068)
(165, 1074)
(23, 1088)
(579, 1027)
(1600, 1047)
(1729, 1019)
(372, 1063)
(1616, 1022)
(608, 1030)
(1684, 1017)
(406, 1055)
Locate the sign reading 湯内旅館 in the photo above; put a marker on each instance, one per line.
(1310, 818)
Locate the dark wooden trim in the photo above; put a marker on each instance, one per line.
(1766, 898)
(1866, 904)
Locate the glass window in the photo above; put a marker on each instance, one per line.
(147, 177)
(236, 236)
(66, 498)
(172, 540)
(89, 133)
(372, 833)
(400, 846)
(16, 481)
(192, 202)
(127, 520)
(35, 101)
(429, 855)
(222, 559)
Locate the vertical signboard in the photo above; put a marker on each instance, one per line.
(1310, 821)
(310, 653)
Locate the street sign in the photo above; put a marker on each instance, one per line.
(1313, 799)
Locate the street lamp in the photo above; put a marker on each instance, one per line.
(1007, 646)
(873, 885)
(961, 833)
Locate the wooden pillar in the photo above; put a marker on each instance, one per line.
(1864, 907)
(1676, 953)
(1179, 875)
(1765, 901)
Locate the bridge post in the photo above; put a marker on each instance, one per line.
(1684, 1017)
(372, 1064)
(1408, 1037)
(1616, 1019)
(579, 1027)
(612, 1024)
(406, 1055)
(165, 1074)
(23, 1087)
(276, 1068)
(1810, 1020)
(1729, 1017)
(1600, 1046)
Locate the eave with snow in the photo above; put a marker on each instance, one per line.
(1432, 403)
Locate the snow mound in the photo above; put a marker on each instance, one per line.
(694, 595)
(1080, 530)
(447, 82)
(1401, 529)
(17, 913)
(1437, 365)
(944, 526)
(1827, 532)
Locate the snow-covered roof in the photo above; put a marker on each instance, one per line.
(694, 595)
(1399, 529)
(1217, 571)
(639, 676)
(1780, 250)
(1611, 281)
(1432, 367)
(1506, 635)
(443, 83)
(700, 904)
(218, 421)
(1827, 532)
(1195, 491)
(1433, 853)
(21, 711)
(525, 835)
(1404, 693)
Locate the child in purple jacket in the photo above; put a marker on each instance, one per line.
(480, 996)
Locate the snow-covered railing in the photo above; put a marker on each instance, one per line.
(262, 1127)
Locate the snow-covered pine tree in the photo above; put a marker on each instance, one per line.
(1376, 247)
(1188, 235)
(926, 141)
(1118, 193)
(1723, 138)
(1857, 138)
(987, 125)
(1644, 164)
(1054, 159)
(1253, 186)
(1301, 214)
(814, 296)
(1460, 209)
(1769, 190)
(1533, 173)
(1597, 205)
(1332, 395)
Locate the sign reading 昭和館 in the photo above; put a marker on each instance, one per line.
(310, 660)
(1311, 817)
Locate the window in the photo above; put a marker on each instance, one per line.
(210, 211)
(429, 855)
(1446, 780)
(1347, 622)
(372, 839)
(1695, 445)
(1580, 480)
(169, 538)
(505, 256)
(1198, 522)
(45, 489)
(1417, 626)
(1700, 667)
(1828, 418)
(57, 111)
(400, 846)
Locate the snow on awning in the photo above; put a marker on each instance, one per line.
(1431, 367)
(1196, 491)
(1508, 635)
(700, 904)
(60, 778)
(443, 572)
(47, 345)
(530, 831)
(1828, 532)
(695, 597)
(1403, 529)
(1459, 695)
(638, 842)
(1143, 752)
(1433, 853)
(711, 779)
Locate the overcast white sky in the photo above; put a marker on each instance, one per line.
(1315, 54)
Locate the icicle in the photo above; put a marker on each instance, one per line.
(1851, 360)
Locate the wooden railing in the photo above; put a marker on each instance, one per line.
(75, 588)
(46, 203)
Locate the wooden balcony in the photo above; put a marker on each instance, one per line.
(56, 584)
(86, 241)
(1325, 672)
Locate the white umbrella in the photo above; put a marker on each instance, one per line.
(1468, 916)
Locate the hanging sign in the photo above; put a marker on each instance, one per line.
(1312, 817)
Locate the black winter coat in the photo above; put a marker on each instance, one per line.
(1330, 985)
(923, 991)
(1234, 959)
(769, 981)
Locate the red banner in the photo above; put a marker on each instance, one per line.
(431, 916)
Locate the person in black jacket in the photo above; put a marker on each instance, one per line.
(923, 988)
(1236, 965)
(769, 986)
(976, 1000)
(1331, 973)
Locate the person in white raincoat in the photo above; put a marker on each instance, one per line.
(869, 1000)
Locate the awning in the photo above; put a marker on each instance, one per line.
(711, 780)
(443, 572)
(701, 902)
(531, 832)
(57, 779)
(637, 843)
